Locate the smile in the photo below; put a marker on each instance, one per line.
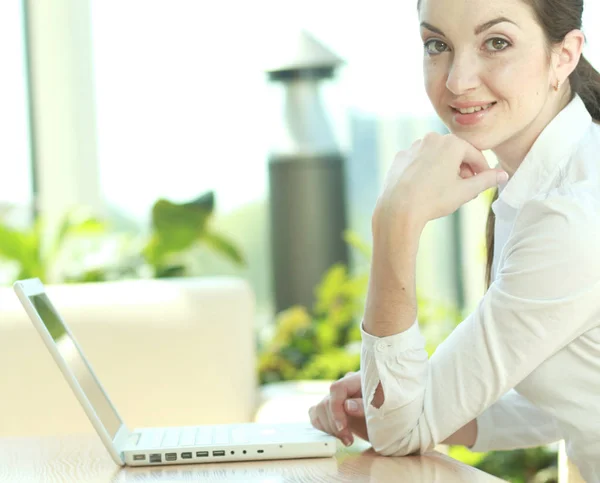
(471, 110)
(472, 115)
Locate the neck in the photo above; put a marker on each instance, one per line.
(512, 152)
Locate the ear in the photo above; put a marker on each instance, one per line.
(567, 54)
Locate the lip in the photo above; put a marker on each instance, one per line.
(466, 105)
(473, 118)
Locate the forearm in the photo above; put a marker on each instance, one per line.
(465, 436)
(391, 305)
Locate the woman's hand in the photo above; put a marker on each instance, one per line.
(341, 414)
(435, 177)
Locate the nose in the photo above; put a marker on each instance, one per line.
(464, 74)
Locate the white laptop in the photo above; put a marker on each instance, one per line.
(156, 446)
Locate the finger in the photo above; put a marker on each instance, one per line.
(356, 418)
(338, 393)
(324, 419)
(345, 435)
(354, 385)
(483, 181)
(318, 417)
(355, 408)
(314, 420)
(465, 171)
(469, 154)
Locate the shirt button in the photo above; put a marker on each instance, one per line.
(381, 346)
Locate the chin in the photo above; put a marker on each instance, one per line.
(481, 141)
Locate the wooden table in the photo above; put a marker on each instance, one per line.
(83, 458)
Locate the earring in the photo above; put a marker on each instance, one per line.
(557, 86)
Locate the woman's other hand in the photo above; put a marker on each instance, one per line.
(341, 413)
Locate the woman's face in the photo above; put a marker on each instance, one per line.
(479, 52)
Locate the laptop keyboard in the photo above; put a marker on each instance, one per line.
(192, 436)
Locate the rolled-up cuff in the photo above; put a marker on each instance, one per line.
(394, 344)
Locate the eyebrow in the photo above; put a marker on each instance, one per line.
(479, 29)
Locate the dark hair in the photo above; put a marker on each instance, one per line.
(557, 18)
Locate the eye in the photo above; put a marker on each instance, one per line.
(435, 47)
(497, 44)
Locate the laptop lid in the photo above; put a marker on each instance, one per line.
(75, 367)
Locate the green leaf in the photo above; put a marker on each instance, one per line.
(330, 290)
(11, 244)
(170, 271)
(355, 241)
(463, 454)
(225, 247)
(78, 222)
(22, 247)
(94, 275)
(177, 226)
(330, 365)
(327, 336)
(205, 201)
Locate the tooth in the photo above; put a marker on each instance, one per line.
(471, 110)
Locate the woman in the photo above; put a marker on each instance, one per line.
(524, 368)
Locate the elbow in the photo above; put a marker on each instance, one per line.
(382, 447)
(404, 446)
(389, 451)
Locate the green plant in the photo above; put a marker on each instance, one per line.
(324, 342)
(316, 345)
(532, 465)
(34, 255)
(176, 228)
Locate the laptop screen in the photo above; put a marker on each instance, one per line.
(76, 363)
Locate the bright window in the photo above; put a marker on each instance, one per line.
(15, 178)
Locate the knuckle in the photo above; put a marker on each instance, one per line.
(452, 140)
(431, 136)
(399, 157)
(336, 386)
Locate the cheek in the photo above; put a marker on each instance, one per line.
(516, 79)
(434, 74)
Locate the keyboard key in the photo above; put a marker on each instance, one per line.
(188, 436)
(204, 436)
(221, 435)
(134, 439)
(170, 438)
(239, 435)
(151, 438)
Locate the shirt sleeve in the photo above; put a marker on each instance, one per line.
(545, 295)
(514, 422)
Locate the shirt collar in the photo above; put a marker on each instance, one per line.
(551, 150)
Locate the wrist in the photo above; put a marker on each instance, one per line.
(396, 229)
(402, 218)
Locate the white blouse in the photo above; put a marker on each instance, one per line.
(526, 362)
